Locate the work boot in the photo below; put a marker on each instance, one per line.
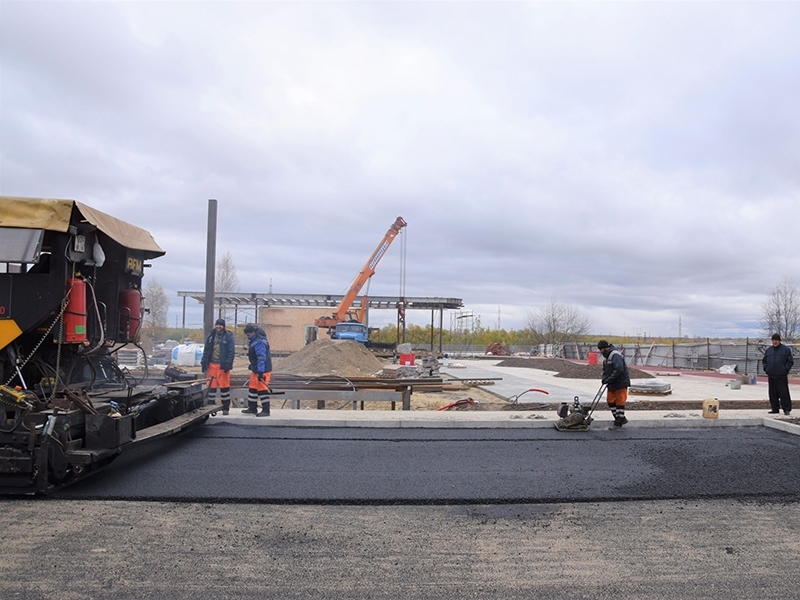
(264, 410)
(252, 408)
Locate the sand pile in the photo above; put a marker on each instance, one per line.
(330, 357)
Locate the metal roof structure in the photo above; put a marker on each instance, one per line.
(258, 300)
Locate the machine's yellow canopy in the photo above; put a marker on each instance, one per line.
(54, 215)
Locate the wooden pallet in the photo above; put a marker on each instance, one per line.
(641, 392)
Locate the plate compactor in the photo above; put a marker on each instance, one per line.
(578, 417)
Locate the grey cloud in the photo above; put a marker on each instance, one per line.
(637, 160)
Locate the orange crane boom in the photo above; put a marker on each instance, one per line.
(367, 271)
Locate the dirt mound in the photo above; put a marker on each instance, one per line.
(567, 369)
(330, 357)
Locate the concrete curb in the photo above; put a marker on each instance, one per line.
(475, 420)
(782, 426)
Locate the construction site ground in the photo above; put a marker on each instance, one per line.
(515, 391)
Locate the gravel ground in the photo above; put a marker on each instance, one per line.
(659, 550)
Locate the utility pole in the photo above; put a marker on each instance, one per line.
(211, 257)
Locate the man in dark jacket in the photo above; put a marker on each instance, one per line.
(615, 376)
(261, 371)
(217, 363)
(777, 363)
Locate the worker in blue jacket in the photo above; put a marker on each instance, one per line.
(777, 363)
(260, 371)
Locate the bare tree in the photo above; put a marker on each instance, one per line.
(226, 280)
(157, 304)
(780, 312)
(556, 324)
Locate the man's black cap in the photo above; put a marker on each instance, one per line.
(602, 344)
(220, 322)
(249, 328)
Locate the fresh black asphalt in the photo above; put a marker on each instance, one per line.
(222, 462)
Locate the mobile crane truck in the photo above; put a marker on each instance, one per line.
(70, 296)
(346, 323)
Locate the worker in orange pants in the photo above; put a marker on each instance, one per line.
(217, 363)
(616, 377)
(260, 371)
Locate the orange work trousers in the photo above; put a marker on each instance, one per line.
(617, 397)
(259, 386)
(217, 378)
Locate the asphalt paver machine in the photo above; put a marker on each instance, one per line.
(70, 297)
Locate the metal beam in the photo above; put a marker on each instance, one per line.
(325, 300)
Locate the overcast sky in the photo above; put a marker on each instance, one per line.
(638, 161)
